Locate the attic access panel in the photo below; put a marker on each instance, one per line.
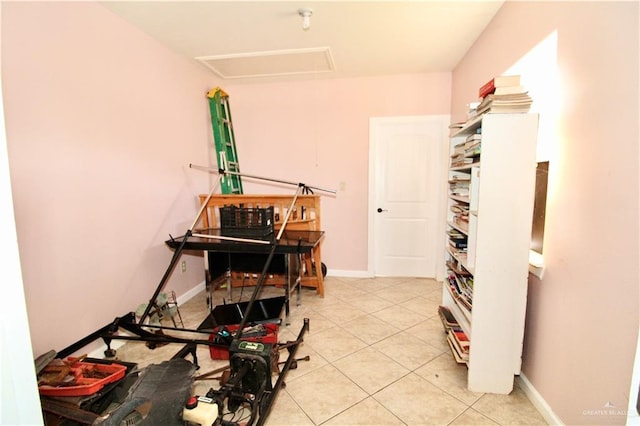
(270, 63)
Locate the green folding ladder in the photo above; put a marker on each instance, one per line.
(225, 142)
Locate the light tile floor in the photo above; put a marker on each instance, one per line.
(378, 356)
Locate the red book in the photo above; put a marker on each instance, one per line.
(461, 335)
(487, 88)
(499, 81)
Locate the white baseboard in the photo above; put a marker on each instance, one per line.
(348, 274)
(191, 293)
(98, 352)
(538, 401)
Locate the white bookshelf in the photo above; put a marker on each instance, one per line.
(500, 204)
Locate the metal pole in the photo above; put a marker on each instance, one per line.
(227, 172)
(279, 383)
(221, 237)
(263, 275)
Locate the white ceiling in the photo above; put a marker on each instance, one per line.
(346, 38)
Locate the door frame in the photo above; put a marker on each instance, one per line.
(442, 153)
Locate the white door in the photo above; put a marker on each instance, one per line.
(407, 158)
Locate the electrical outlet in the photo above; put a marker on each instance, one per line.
(184, 266)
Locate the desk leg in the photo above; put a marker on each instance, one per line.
(229, 285)
(293, 281)
(288, 265)
(300, 259)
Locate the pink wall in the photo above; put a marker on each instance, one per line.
(101, 124)
(582, 318)
(317, 132)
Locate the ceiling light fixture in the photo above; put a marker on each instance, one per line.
(306, 18)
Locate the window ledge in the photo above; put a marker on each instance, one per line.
(536, 264)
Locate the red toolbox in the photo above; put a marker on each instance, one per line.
(222, 335)
(82, 378)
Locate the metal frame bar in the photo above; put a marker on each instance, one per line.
(127, 321)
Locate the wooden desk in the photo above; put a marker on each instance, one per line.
(292, 244)
(304, 217)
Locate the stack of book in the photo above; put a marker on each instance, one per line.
(466, 153)
(472, 110)
(460, 345)
(461, 289)
(459, 188)
(459, 160)
(461, 215)
(503, 94)
(457, 240)
(472, 145)
(447, 318)
(457, 339)
(454, 266)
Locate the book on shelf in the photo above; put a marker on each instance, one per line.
(464, 284)
(457, 285)
(457, 268)
(460, 348)
(458, 154)
(464, 303)
(457, 237)
(506, 109)
(462, 221)
(498, 81)
(472, 149)
(447, 318)
(460, 193)
(458, 244)
(459, 183)
(459, 188)
(461, 160)
(458, 255)
(461, 340)
(472, 109)
(474, 137)
(455, 234)
(461, 302)
(506, 103)
(509, 90)
(456, 356)
(514, 98)
(460, 178)
(459, 209)
(469, 148)
(461, 287)
(459, 148)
